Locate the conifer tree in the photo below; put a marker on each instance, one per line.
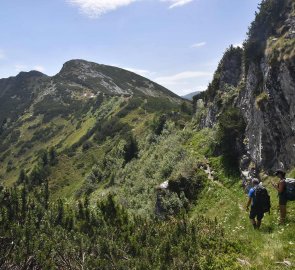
(22, 177)
(52, 156)
(60, 212)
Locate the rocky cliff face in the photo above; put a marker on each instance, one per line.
(270, 115)
(262, 86)
(223, 89)
(267, 101)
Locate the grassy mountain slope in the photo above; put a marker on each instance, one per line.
(225, 200)
(70, 108)
(105, 169)
(221, 199)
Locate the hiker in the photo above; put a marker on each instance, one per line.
(281, 187)
(259, 201)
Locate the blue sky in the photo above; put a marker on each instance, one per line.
(176, 43)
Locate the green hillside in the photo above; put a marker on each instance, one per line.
(101, 168)
(216, 234)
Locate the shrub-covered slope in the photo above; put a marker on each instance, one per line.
(84, 101)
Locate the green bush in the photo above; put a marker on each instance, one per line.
(45, 134)
(55, 235)
(158, 124)
(110, 128)
(132, 104)
(261, 99)
(160, 105)
(91, 181)
(190, 182)
(14, 136)
(87, 145)
(130, 148)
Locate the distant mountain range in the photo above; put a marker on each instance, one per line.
(190, 95)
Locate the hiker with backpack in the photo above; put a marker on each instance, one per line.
(286, 192)
(259, 201)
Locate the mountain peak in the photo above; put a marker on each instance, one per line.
(110, 80)
(30, 74)
(78, 62)
(80, 66)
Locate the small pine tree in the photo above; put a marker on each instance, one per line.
(80, 213)
(44, 158)
(46, 194)
(52, 156)
(22, 177)
(130, 148)
(60, 212)
(24, 195)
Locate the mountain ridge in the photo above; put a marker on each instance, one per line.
(190, 96)
(77, 81)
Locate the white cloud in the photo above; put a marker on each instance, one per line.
(198, 45)
(95, 8)
(39, 68)
(21, 67)
(177, 3)
(2, 54)
(179, 77)
(141, 72)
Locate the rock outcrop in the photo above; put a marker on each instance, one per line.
(260, 81)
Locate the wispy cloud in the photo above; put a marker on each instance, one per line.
(198, 45)
(177, 3)
(95, 8)
(142, 72)
(21, 67)
(177, 78)
(39, 68)
(2, 54)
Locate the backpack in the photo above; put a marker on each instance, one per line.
(290, 189)
(262, 199)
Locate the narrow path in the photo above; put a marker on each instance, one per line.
(209, 172)
(226, 203)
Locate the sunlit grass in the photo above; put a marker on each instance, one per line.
(263, 248)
